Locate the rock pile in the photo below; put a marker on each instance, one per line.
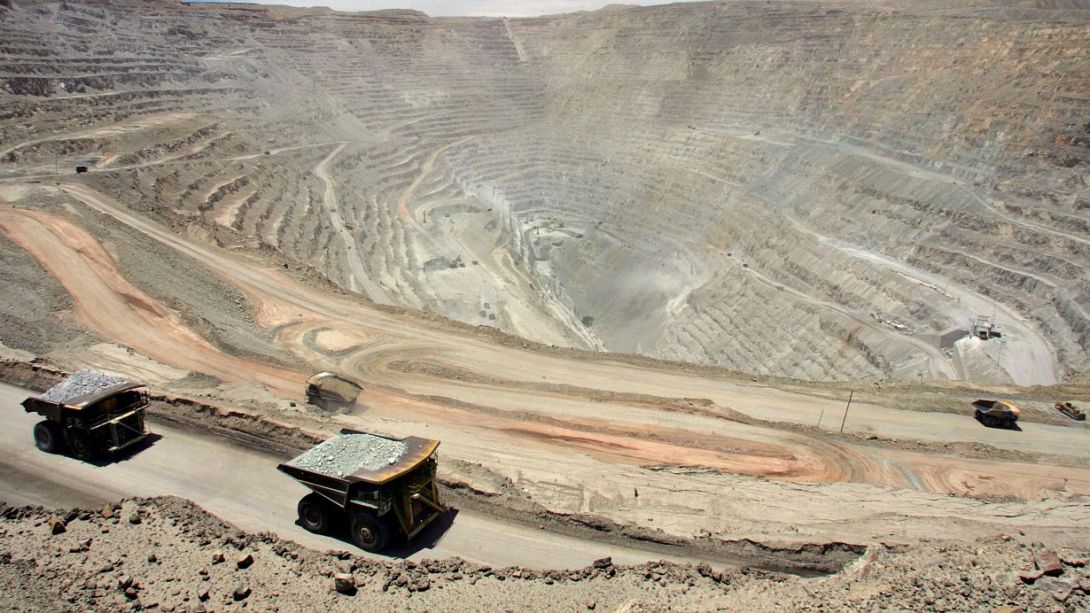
(80, 383)
(348, 453)
(103, 562)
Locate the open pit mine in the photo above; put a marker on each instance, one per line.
(711, 305)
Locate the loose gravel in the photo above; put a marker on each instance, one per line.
(345, 454)
(80, 383)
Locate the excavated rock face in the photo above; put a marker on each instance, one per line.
(790, 188)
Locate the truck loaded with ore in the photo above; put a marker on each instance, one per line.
(383, 487)
(89, 414)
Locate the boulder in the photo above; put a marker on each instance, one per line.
(1030, 576)
(1048, 562)
(57, 525)
(344, 583)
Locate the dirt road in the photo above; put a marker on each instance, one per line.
(243, 486)
(358, 279)
(576, 433)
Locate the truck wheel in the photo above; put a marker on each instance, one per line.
(80, 445)
(369, 533)
(47, 437)
(314, 513)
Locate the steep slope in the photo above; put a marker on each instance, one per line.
(806, 189)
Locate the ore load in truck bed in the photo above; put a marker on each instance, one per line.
(358, 456)
(343, 455)
(80, 384)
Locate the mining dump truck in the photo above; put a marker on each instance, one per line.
(1069, 409)
(332, 392)
(997, 413)
(382, 486)
(89, 414)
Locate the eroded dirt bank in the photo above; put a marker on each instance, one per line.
(169, 554)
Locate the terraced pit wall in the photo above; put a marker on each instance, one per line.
(802, 189)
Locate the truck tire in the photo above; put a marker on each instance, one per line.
(79, 445)
(369, 533)
(47, 436)
(315, 514)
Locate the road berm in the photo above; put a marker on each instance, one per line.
(168, 553)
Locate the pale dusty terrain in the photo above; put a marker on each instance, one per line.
(824, 192)
(502, 228)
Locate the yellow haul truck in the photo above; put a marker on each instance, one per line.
(381, 485)
(331, 392)
(89, 414)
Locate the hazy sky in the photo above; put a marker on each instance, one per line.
(510, 8)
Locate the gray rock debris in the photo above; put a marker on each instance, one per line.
(80, 383)
(345, 454)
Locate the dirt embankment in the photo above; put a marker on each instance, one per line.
(169, 554)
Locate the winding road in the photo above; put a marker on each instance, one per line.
(358, 279)
(575, 432)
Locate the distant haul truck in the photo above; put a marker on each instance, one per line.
(997, 413)
(332, 392)
(1070, 410)
(89, 414)
(382, 486)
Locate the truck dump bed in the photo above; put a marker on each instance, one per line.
(360, 457)
(997, 413)
(79, 390)
(331, 391)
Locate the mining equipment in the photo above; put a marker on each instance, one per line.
(89, 414)
(331, 392)
(1070, 410)
(382, 486)
(997, 413)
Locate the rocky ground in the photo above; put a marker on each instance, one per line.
(169, 554)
